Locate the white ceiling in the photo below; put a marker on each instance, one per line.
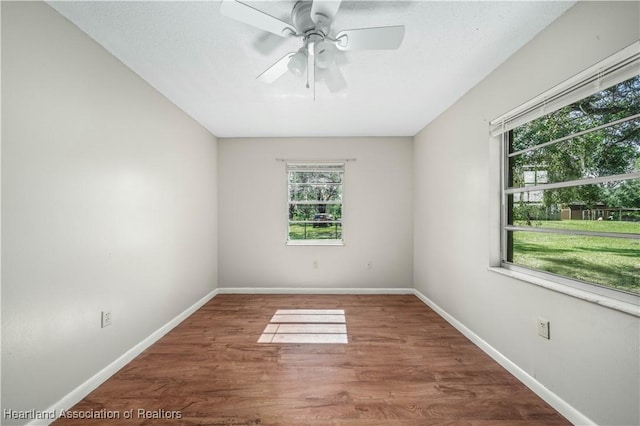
(207, 63)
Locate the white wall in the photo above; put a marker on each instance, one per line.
(377, 215)
(592, 360)
(108, 201)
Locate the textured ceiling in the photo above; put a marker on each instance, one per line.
(207, 63)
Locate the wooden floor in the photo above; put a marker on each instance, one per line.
(403, 365)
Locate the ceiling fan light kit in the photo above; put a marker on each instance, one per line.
(312, 24)
(298, 62)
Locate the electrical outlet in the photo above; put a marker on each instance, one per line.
(315, 264)
(543, 328)
(369, 264)
(105, 319)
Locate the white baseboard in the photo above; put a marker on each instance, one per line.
(99, 378)
(299, 290)
(562, 406)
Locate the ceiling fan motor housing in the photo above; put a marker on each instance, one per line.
(304, 23)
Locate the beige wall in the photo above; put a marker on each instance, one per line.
(108, 202)
(377, 215)
(592, 360)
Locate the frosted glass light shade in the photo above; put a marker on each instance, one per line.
(298, 62)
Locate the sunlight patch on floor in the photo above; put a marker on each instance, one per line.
(306, 326)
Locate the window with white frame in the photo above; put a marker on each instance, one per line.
(571, 180)
(315, 203)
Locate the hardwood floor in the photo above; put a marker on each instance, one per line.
(403, 365)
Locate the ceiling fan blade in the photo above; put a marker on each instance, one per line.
(371, 38)
(276, 70)
(256, 18)
(328, 8)
(267, 43)
(333, 78)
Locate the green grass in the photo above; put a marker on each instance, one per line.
(586, 225)
(298, 232)
(611, 262)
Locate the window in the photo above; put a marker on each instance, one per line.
(315, 203)
(571, 181)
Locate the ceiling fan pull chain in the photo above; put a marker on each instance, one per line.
(311, 63)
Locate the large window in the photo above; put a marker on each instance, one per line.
(315, 203)
(571, 180)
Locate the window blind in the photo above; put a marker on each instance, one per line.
(617, 68)
(315, 167)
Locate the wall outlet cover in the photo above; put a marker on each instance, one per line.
(543, 328)
(105, 319)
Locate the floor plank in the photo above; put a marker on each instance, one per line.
(309, 338)
(278, 318)
(310, 312)
(312, 328)
(403, 365)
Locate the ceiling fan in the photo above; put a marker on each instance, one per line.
(312, 21)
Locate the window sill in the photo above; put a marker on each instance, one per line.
(599, 299)
(315, 243)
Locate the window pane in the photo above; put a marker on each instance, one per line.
(577, 149)
(315, 231)
(315, 192)
(610, 262)
(605, 152)
(315, 212)
(610, 226)
(613, 103)
(315, 201)
(315, 177)
(606, 207)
